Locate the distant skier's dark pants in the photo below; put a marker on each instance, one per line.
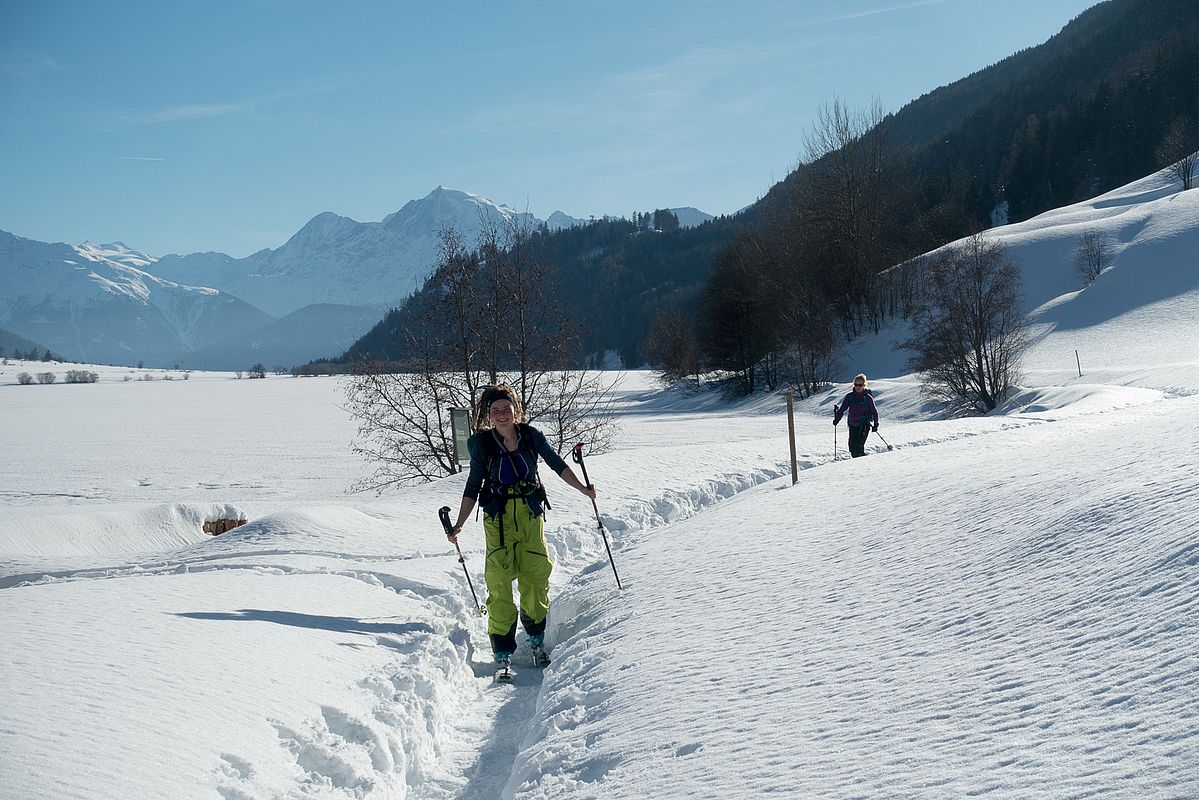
(516, 551)
(857, 439)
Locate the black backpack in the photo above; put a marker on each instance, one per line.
(493, 498)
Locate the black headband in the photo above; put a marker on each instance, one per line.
(491, 395)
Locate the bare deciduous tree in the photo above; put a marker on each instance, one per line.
(812, 352)
(672, 346)
(1093, 256)
(404, 422)
(969, 329)
(846, 199)
(484, 317)
(1177, 151)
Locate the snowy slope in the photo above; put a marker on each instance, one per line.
(1131, 325)
(95, 303)
(119, 252)
(1002, 606)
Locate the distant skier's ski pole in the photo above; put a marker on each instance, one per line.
(834, 433)
(879, 435)
(577, 455)
(444, 513)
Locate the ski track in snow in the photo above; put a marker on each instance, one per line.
(509, 708)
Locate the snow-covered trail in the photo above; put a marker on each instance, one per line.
(1008, 616)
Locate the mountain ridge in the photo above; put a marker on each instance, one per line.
(85, 306)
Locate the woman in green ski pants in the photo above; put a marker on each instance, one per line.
(503, 479)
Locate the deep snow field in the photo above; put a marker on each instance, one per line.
(1003, 607)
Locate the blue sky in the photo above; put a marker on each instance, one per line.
(184, 126)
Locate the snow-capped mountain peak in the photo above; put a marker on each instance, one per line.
(461, 208)
(335, 259)
(324, 227)
(118, 252)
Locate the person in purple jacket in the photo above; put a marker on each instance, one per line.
(859, 407)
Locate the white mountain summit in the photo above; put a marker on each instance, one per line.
(334, 259)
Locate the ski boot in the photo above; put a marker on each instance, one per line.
(537, 645)
(503, 667)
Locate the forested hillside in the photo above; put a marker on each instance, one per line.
(1055, 124)
(1112, 97)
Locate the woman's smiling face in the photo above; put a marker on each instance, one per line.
(500, 412)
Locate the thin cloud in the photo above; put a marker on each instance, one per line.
(875, 12)
(649, 96)
(27, 66)
(182, 113)
(185, 113)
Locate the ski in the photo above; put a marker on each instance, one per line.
(504, 672)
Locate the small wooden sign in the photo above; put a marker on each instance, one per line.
(460, 425)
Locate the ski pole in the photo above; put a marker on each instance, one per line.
(444, 513)
(834, 433)
(577, 455)
(879, 435)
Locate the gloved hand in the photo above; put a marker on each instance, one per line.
(875, 428)
(836, 420)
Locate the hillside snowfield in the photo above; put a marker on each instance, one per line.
(97, 303)
(1000, 607)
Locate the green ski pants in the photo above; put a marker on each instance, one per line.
(516, 551)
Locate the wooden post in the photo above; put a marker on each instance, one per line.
(1078, 362)
(791, 438)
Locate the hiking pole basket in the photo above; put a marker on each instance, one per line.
(879, 435)
(577, 455)
(444, 514)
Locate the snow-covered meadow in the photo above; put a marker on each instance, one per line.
(1005, 606)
